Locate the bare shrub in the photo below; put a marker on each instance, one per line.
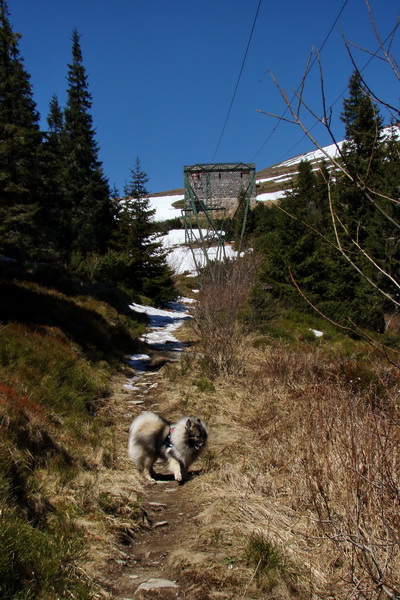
(352, 466)
(307, 458)
(218, 314)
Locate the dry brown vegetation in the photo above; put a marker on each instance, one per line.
(303, 473)
(298, 493)
(302, 485)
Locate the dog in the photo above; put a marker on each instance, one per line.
(151, 438)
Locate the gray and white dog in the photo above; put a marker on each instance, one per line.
(151, 438)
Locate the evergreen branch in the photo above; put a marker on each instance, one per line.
(321, 314)
(338, 246)
(343, 252)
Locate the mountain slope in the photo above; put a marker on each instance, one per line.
(273, 180)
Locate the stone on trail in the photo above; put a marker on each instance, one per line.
(156, 584)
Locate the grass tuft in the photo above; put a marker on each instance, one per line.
(271, 567)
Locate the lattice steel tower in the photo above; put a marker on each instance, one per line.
(214, 192)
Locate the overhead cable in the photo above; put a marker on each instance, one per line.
(309, 69)
(304, 136)
(238, 80)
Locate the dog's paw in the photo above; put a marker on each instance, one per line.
(149, 477)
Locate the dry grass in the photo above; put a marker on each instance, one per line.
(303, 466)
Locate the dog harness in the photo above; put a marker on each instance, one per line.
(168, 441)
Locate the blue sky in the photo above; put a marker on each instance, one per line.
(162, 74)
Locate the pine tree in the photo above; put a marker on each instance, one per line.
(54, 217)
(138, 212)
(55, 121)
(87, 192)
(363, 157)
(291, 243)
(135, 236)
(20, 142)
(363, 129)
(360, 221)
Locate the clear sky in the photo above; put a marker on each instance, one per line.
(163, 74)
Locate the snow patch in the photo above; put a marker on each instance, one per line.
(316, 332)
(162, 324)
(270, 196)
(163, 207)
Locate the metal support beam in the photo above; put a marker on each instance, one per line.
(213, 192)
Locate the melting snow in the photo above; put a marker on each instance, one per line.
(316, 332)
(181, 258)
(162, 324)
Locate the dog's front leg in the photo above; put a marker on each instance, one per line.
(175, 467)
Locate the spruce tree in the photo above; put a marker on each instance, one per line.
(292, 244)
(363, 130)
(354, 201)
(54, 216)
(139, 213)
(389, 187)
(55, 121)
(362, 157)
(135, 236)
(20, 141)
(87, 193)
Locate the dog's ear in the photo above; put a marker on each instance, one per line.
(189, 424)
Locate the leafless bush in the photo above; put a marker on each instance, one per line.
(352, 466)
(328, 437)
(218, 313)
(306, 455)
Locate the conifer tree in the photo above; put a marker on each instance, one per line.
(366, 160)
(389, 188)
(363, 129)
(54, 216)
(139, 213)
(362, 156)
(293, 244)
(87, 192)
(55, 121)
(135, 236)
(20, 142)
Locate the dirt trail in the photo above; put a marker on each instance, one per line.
(168, 516)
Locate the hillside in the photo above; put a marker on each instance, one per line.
(299, 480)
(272, 181)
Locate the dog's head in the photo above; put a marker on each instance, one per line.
(196, 433)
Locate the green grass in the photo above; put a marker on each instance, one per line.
(204, 385)
(39, 563)
(50, 372)
(270, 565)
(58, 351)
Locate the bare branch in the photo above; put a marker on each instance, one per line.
(276, 116)
(300, 92)
(335, 219)
(389, 107)
(381, 45)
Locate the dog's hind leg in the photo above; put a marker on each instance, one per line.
(147, 469)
